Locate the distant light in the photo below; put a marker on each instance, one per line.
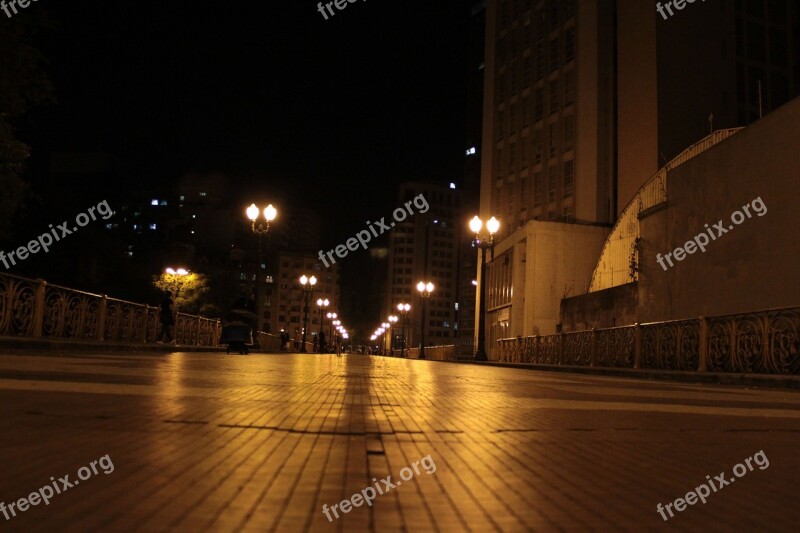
(192, 232)
(163, 202)
(194, 216)
(203, 194)
(452, 185)
(153, 226)
(472, 151)
(154, 201)
(475, 282)
(183, 198)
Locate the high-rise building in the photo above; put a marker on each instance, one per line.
(584, 102)
(424, 247)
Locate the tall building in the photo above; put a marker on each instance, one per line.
(584, 102)
(424, 247)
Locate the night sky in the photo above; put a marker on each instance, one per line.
(333, 113)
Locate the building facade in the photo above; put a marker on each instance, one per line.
(584, 102)
(425, 247)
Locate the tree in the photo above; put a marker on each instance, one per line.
(23, 83)
(187, 289)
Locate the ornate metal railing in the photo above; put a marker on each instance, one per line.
(435, 353)
(763, 342)
(35, 308)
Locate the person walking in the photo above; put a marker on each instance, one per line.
(338, 341)
(322, 347)
(166, 318)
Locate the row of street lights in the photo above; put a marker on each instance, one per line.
(484, 241)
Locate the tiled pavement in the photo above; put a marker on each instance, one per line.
(215, 442)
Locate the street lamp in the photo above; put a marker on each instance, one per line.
(484, 242)
(403, 309)
(323, 305)
(308, 288)
(392, 321)
(260, 228)
(384, 326)
(425, 290)
(331, 317)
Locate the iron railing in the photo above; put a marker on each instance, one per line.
(762, 342)
(35, 308)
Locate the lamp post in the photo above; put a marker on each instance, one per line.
(260, 228)
(484, 242)
(403, 309)
(331, 317)
(176, 278)
(385, 327)
(392, 321)
(323, 305)
(308, 288)
(425, 290)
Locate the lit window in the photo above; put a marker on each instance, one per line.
(163, 202)
(154, 202)
(153, 226)
(452, 185)
(472, 151)
(183, 198)
(203, 194)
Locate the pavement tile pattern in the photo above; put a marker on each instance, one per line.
(214, 442)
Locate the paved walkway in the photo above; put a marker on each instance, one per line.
(211, 442)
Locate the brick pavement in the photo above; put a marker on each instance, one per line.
(211, 442)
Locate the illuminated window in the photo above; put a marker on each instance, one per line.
(154, 202)
(153, 226)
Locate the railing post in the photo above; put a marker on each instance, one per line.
(101, 319)
(702, 364)
(38, 307)
(198, 331)
(637, 345)
(144, 325)
(535, 356)
(560, 348)
(594, 347)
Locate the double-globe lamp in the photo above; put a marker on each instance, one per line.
(484, 241)
(308, 287)
(425, 290)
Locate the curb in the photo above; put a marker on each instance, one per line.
(64, 345)
(716, 378)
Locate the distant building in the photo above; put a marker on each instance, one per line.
(425, 247)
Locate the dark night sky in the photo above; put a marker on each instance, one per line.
(269, 92)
